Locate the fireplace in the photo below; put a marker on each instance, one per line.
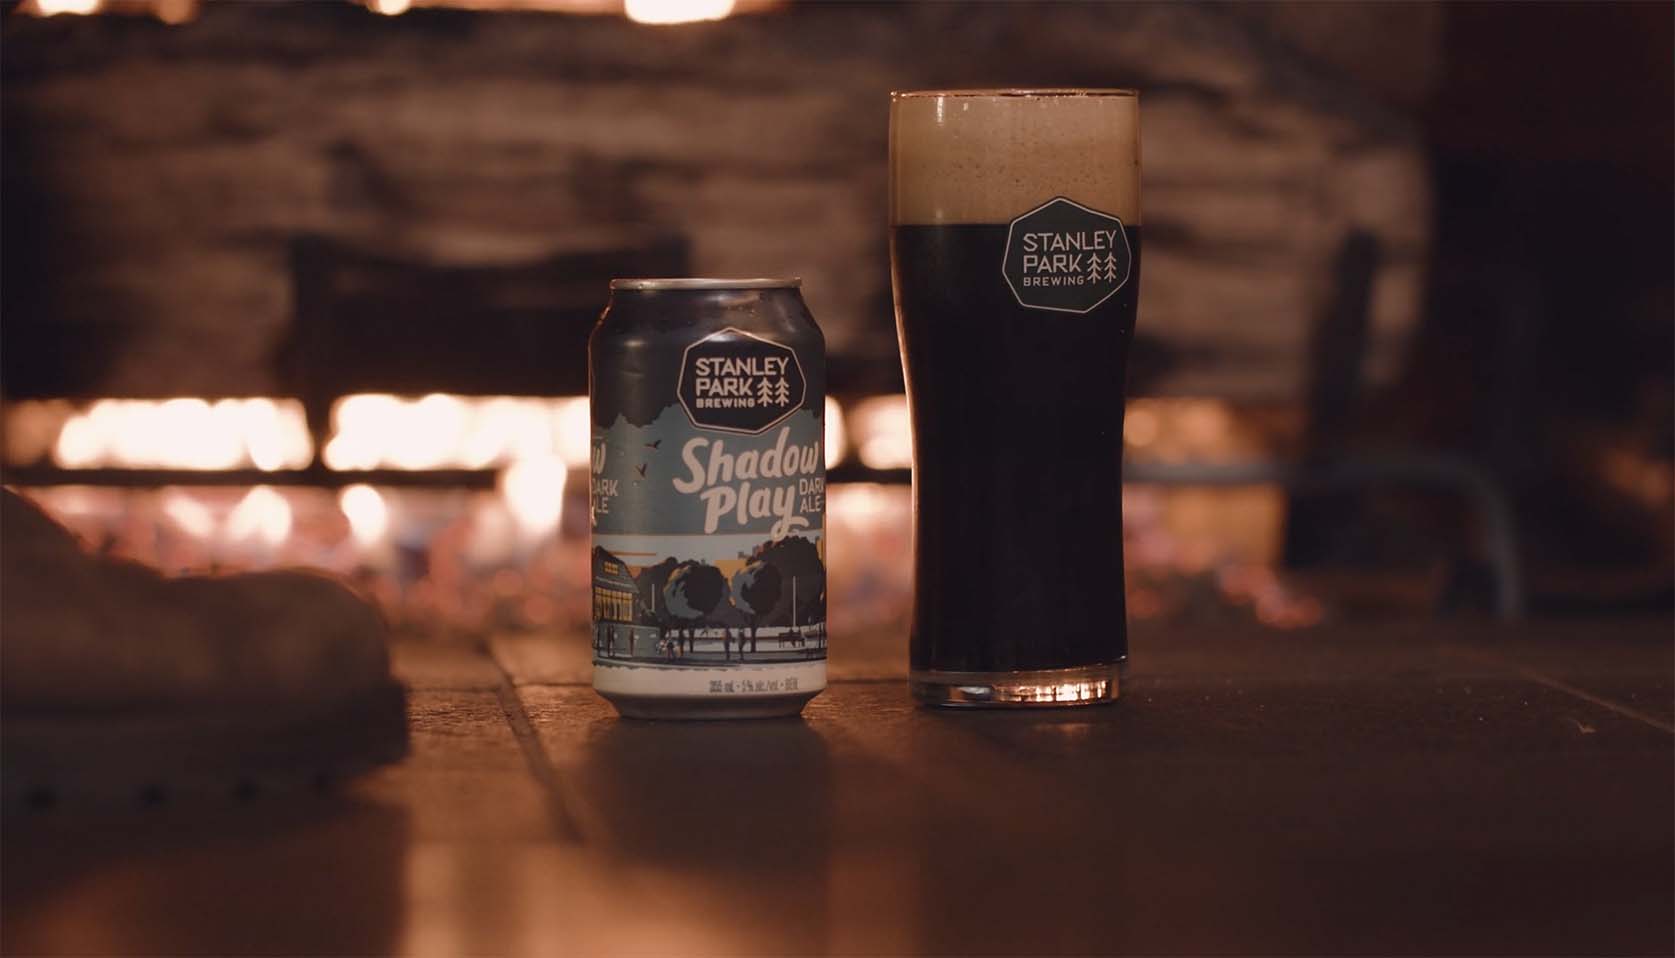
(327, 302)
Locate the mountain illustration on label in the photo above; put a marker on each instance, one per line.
(734, 381)
(1065, 257)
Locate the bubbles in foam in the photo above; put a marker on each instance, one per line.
(988, 156)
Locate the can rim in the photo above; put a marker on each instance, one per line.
(705, 282)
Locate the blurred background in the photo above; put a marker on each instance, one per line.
(311, 282)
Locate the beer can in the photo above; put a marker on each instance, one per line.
(708, 499)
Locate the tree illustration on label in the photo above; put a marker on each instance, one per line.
(1065, 257)
(693, 591)
(756, 590)
(734, 381)
(798, 561)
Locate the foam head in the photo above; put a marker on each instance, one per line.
(986, 156)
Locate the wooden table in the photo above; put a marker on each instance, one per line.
(1401, 789)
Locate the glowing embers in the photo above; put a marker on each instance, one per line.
(367, 512)
(882, 432)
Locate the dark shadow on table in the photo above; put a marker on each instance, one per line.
(299, 873)
(1228, 815)
(738, 812)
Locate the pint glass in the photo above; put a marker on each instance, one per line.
(1015, 261)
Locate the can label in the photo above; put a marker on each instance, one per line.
(708, 513)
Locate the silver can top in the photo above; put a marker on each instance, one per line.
(703, 282)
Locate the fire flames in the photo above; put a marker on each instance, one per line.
(1175, 536)
(378, 431)
(659, 12)
(369, 431)
(676, 11)
(264, 434)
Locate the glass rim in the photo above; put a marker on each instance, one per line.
(707, 283)
(997, 93)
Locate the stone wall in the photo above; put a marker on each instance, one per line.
(155, 175)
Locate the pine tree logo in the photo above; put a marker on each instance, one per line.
(1102, 268)
(1038, 267)
(737, 381)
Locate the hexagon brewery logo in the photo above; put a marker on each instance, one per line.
(1065, 257)
(736, 381)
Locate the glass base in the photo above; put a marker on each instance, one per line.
(1048, 688)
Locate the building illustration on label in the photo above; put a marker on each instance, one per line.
(735, 381)
(1065, 257)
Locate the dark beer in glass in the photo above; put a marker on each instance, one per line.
(1015, 260)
